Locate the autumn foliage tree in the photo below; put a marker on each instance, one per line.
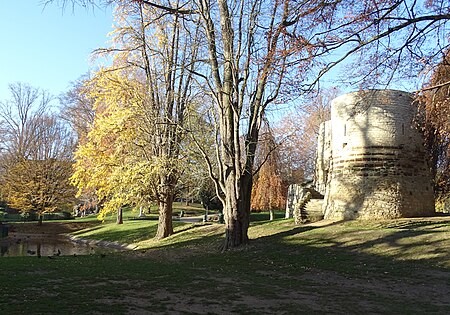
(36, 160)
(269, 190)
(141, 103)
(101, 159)
(38, 186)
(434, 118)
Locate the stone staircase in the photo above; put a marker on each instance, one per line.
(312, 210)
(304, 203)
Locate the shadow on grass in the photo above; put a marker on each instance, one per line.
(422, 242)
(295, 230)
(213, 242)
(339, 245)
(338, 261)
(186, 237)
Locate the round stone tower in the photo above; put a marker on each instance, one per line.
(378, 166)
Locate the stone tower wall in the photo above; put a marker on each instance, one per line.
(374, 165)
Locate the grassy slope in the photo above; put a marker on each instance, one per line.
(397, 266)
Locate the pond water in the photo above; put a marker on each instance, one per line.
(29, 246)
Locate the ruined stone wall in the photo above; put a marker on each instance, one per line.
(293, 196)
(378, 167)
(323, 160)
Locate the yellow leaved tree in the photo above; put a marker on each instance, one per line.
(133, 151)
(36, 154)
(108, 161)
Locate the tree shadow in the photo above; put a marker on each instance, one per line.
(296, 230)
(400, 241)
(213, 243)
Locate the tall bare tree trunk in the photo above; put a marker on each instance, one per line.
(237, 210)
(165, 227)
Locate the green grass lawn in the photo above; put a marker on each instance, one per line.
(191, 209)
(387, 267)
(135, 230)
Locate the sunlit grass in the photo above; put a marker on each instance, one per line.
(141, 232)
(128, 232)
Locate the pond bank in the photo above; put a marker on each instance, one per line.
(49, 228)
(54, 239)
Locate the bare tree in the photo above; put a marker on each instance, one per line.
(19, 118)
(243, 74)
(297, 134)
(379, 43)
(37, 155)
(77, 107)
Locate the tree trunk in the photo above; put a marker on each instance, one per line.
(40, 218)
(119, 216)
(38, 250)
(237, 210)
(165, 227)
(272, 214)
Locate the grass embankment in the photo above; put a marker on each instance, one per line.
(399, 266)
(140, 231)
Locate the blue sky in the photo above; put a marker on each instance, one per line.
(46, 47)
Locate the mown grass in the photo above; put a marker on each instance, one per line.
(140, 231)
(389, 267)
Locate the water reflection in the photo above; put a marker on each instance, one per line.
(28, 246)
